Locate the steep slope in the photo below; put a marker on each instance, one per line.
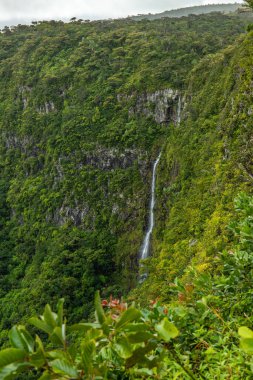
(197, 10)
(84, 110)
(207, 161)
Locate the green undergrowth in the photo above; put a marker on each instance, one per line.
(203, 334)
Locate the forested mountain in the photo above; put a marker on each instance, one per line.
(86, 107)
(207, 161)
(197, 10)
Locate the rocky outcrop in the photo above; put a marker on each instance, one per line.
(75, 214)
(25, 144)
(24, 92)
(13, 141)
(105, 159)
(111, 158)
(161, 105)
(46, 107)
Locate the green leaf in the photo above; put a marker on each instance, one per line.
(41, 325)
(94, 334)
(49, 317)
(47, 376)
(58, 336)
(139, 354)
(59, 319)
(16, 339)
(210, 351)
(130, 315)
(139, 337)
(245, 332)
(88, 351)
(28, 338)
(20, 338)
(247, 345)
(144, 372)
(136, 327)
(58, 354)
(123, 348)
(100, 315)
(40, 344)
(107, 354)
(246, 341)
(11, 355)
(38, 359)
(167, 330)
(64, 367)
(180, 311)
(10, 371)
(84, 327)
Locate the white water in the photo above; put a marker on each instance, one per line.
(146, 242)
(179, 106)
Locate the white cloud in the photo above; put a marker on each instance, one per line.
(93, 9)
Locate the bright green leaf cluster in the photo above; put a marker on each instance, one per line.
(126, 342)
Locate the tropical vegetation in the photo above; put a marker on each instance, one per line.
(85, 108)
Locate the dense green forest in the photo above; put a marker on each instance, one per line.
(207, 161)
(85, 109)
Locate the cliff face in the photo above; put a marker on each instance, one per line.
(161, 105)
(207, 162)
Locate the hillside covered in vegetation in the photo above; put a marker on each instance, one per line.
(197, 10)
(207, 162)
(85, 110)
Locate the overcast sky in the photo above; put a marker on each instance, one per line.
(14, 11)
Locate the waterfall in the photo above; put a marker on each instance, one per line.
(179, 106)
(146, 241)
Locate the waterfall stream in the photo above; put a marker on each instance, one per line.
(146, 242)
(179, 106)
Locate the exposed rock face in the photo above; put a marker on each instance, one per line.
(13, 141)
(106, 159)
(103, 159)
(25, 144)
(75, 214)
(24, 92)
(250, 111)
(161, 105)
(111, 158)
(46, 107)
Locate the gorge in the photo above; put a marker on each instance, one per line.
(118, 133)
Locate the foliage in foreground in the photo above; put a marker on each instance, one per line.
(121, 343)
(194, 337)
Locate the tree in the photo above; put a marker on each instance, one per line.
(248, 3)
